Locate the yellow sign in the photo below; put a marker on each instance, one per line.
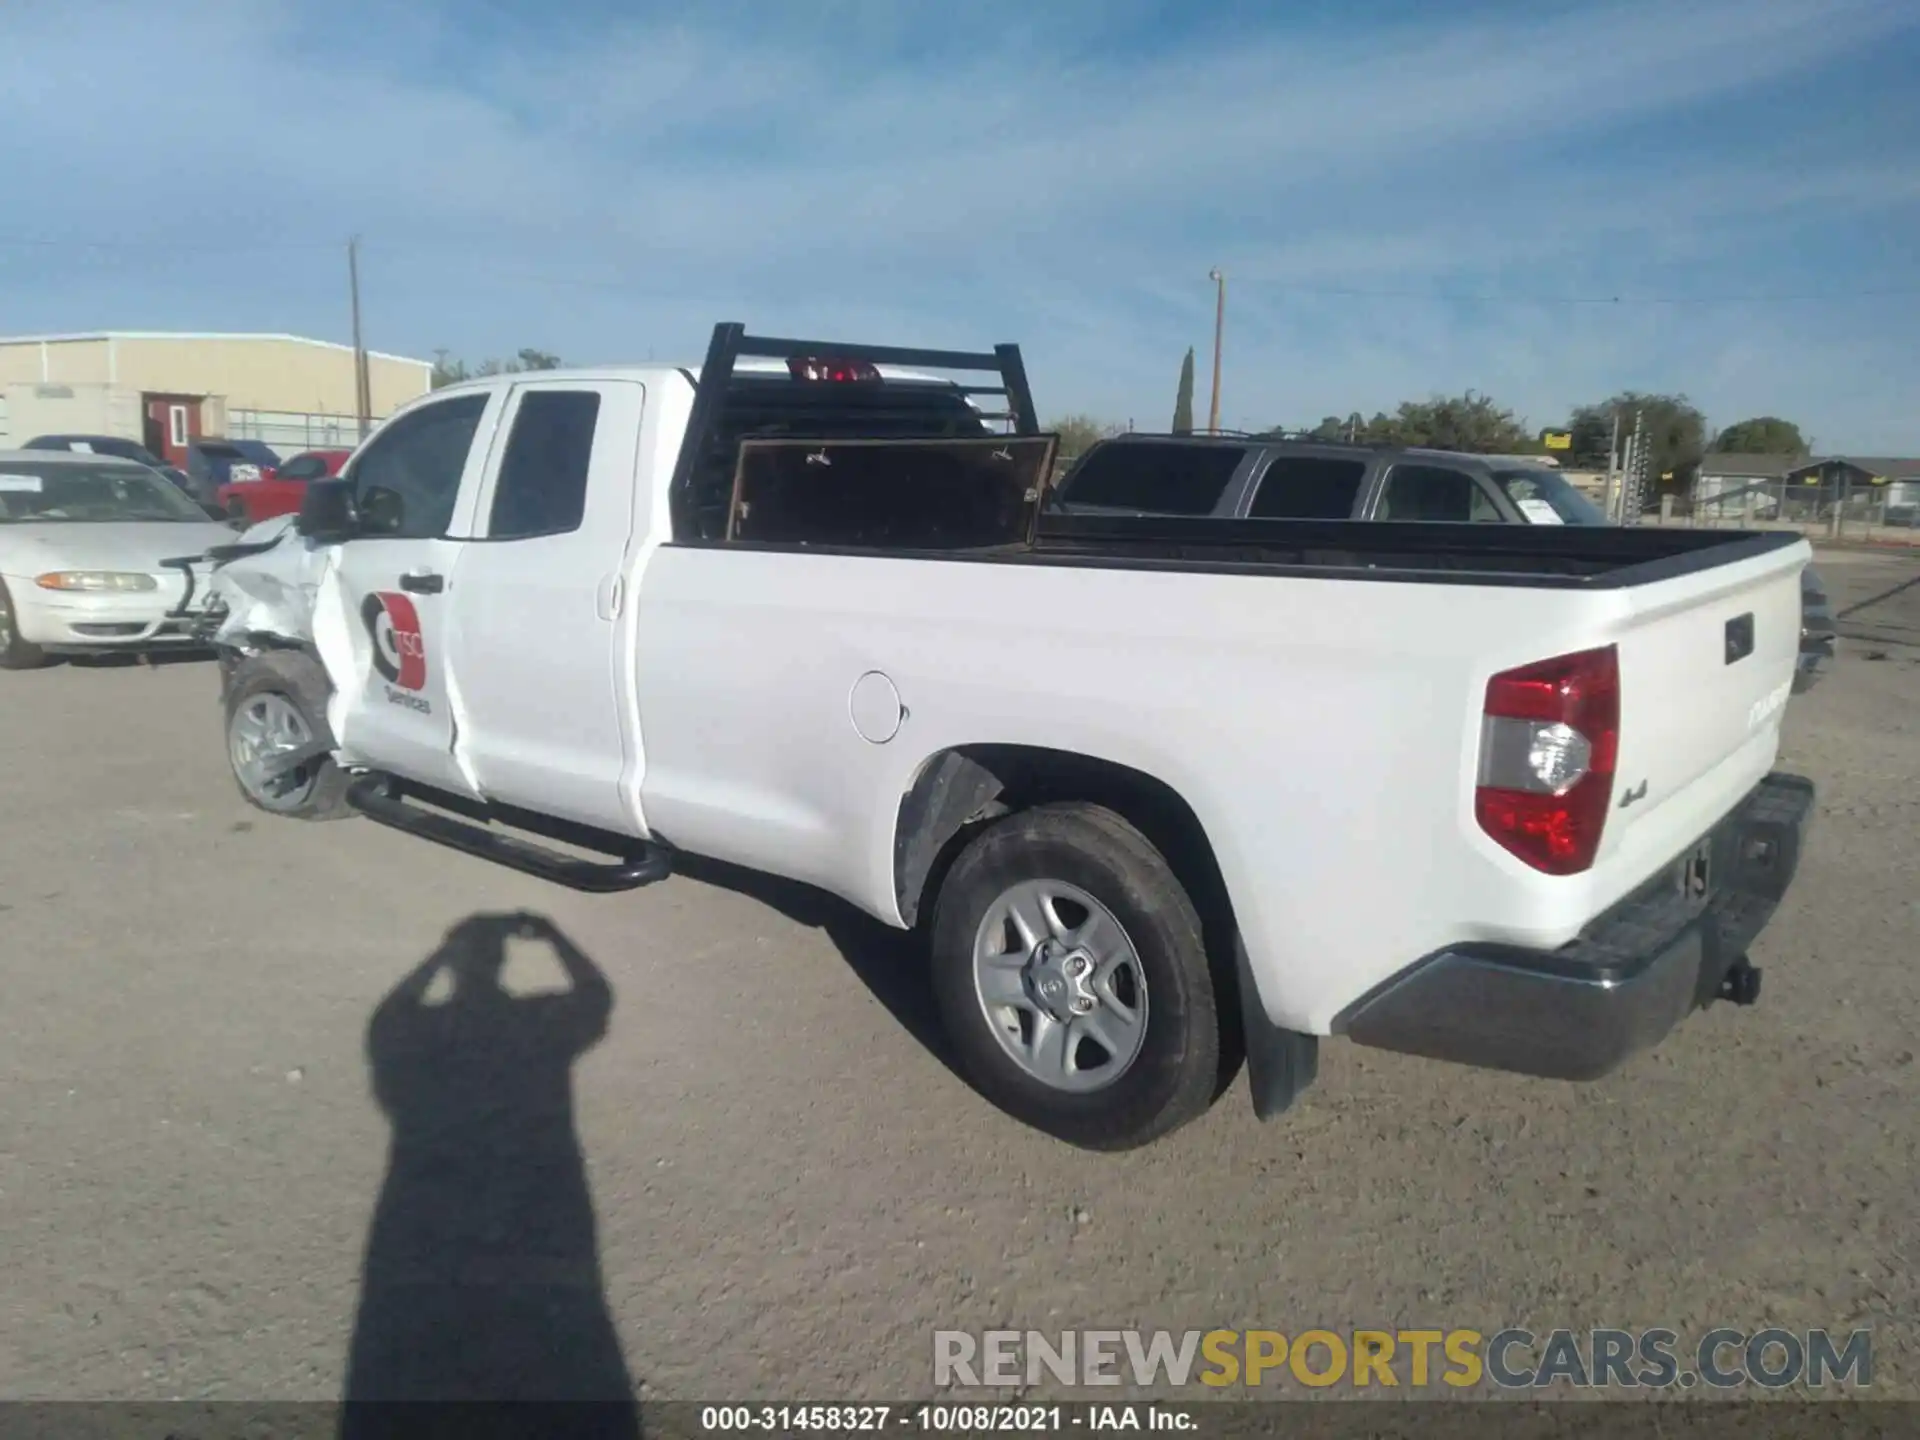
(1557, 439)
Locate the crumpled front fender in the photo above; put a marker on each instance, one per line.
(273, 592)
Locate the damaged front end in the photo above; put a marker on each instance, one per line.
(257, 593)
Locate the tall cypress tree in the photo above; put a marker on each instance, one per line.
(1183, 398)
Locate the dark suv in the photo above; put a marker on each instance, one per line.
(1252, 478)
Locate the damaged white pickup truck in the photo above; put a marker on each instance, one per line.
(1161, 794)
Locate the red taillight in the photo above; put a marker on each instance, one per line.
(840, 371)
(1548, 741)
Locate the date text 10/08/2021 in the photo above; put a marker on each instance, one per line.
(943, 1419)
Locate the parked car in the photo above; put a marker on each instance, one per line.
(213, 463)
(1248, 477)
(97, 445)
(252, 501)
(1151, 791)
(83, 541)
(120, 449)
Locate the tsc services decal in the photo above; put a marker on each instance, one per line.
(399, 652)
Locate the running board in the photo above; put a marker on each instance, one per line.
(381, 799)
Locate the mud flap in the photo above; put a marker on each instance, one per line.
(1281, 1064)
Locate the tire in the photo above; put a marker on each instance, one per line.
(1172, 1074)
(286, 692)
(15, 653)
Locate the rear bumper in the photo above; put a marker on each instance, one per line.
(1577, 1012)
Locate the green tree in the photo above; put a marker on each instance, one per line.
(450, 370)
(1763, 435)
(1078, 433)
(1472, 423)
(1676, 433)
(1183, 398)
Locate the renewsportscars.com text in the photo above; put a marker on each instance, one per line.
(1511, 1359)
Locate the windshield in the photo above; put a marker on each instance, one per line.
(1547, 499)
(40, 494)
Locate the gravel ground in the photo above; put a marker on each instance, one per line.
(792, 1191)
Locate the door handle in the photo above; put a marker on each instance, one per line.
(424, 583)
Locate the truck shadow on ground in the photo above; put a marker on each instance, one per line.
(891, 963)
(482, 1277)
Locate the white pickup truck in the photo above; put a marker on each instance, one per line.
(1161, 794)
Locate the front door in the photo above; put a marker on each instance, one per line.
(539, 620)
(381, 624)
(172, 424)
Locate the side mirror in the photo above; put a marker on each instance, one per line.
(327, 512)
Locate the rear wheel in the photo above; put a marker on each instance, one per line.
(15, 653)
(1073, 980)
(277, 704)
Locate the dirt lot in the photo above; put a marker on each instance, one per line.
(792, 1191)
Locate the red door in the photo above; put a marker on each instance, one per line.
(174, 421)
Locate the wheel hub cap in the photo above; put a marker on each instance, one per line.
(1062, 980)
(1061, 985)
(264, 728)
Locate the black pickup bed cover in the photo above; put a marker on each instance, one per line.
(1534, 556)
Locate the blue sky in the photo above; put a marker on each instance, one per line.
(1545, 202)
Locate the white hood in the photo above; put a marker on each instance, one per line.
(33, 548)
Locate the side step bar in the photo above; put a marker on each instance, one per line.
(381, 799)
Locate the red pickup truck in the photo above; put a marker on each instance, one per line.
(249, 502)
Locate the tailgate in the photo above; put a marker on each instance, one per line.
(1706, 667)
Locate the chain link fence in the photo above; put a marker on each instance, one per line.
(1838, 510)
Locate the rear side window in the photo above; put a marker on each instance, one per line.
(304, 467)
(759, 408)
(542, 489)
(1435, 493)
(1159, 479)
(1309, 487)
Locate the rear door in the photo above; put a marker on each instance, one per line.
(1437, 494)
(539, 610)
(1308, 487)
(381, 623)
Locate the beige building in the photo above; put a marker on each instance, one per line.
(166, 390)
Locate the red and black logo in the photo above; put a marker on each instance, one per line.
(399, 654)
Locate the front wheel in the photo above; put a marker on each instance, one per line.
(1072, 978)
(276, 705)
(15, 653)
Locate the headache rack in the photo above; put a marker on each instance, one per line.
(830, 391)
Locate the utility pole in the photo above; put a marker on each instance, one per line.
(362, 391)
(1219, 325)
(1613, 468)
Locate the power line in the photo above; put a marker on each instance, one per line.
(1349, 292)
(1280, 288)
(191, 247)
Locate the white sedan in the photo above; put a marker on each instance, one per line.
(82, 541)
